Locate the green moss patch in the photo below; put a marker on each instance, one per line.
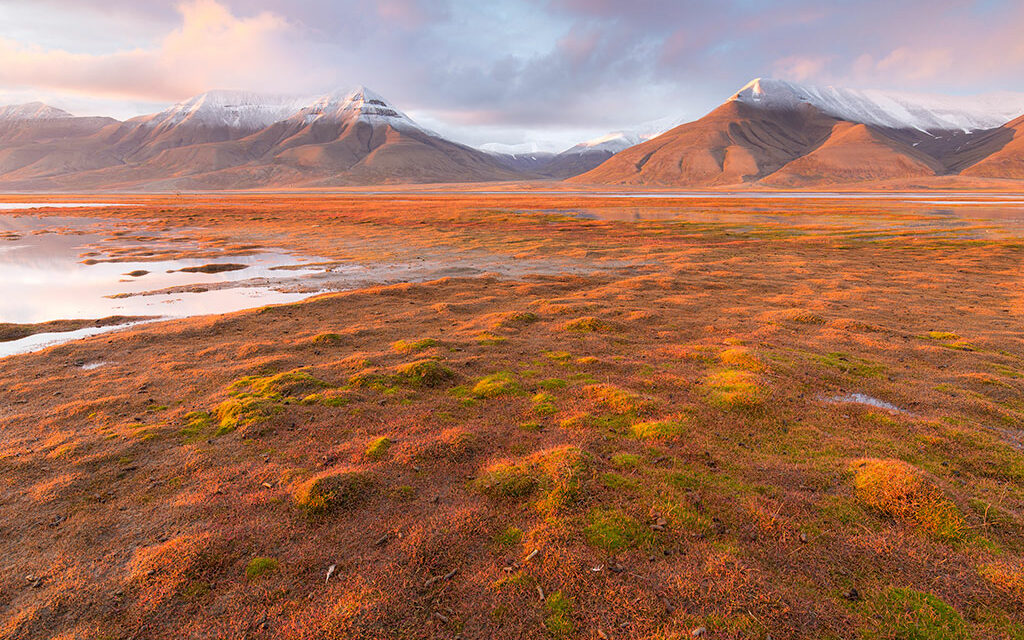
(735, 389)
(378, 448)
(613, 530)
(915, 615)
(412, 346)
(557, 475)
(494, 385)
(330, 492)
(259, 567)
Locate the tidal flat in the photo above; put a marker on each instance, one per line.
(517, 415)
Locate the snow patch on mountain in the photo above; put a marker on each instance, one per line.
(233, 109)
(359, 104)
(924, 112)
(32, 111)
(249, 111)
(613, 142)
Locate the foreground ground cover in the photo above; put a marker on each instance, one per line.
(683, 438)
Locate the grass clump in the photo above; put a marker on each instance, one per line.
(494, 385)
(626, 460)
(660, 429)
(453, 445)
(558, 614)
(516, 319)
(588, 324)
(1006, 576)
(735, 389)
(544, 404)
(330, 398)
(851, 365)
(902, 491)
(557, 474)
(489, 339)
(334, 491)
(617, 481)
(259, 398)
(915, 615)
(259, 567)
(425, 373)
(740, 358)
(562, 357)
(199, 425)
(613, 530)
(326, 339)
(378, 448)
(412, 346)
(242, 412)
(290, 384)
(552, 384)
(508, 481)
(616, 399)
(509, 537)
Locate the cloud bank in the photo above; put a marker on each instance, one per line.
(508, 70)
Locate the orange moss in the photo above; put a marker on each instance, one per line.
(904, 492)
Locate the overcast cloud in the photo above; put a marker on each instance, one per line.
(547, 71)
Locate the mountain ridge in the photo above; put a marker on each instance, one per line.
(771, 132)
(777, 133)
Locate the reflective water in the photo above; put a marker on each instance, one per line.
(20, 206)
(43, 277)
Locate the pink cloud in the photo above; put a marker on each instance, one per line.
(212, 48)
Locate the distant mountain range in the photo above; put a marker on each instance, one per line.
(771, 133)
(780, 134)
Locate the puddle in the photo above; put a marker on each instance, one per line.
(46, 278)
(860, 398)
(57, 267)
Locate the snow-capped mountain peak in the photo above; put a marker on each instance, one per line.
(232, 109)
(32, 111)
(888, 109)
(613, 142)
(249, 111)
(359, 103)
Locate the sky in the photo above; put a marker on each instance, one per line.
(548, 73)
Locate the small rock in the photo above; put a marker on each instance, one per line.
(699, 632)
(803, 537)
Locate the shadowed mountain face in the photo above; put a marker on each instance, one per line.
(1006, 159)
(784, 135)
(735, 143)
(236, 140)
(770, 133)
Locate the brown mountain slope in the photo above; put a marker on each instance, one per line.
(854, 153)
(361, 152)
(1008, 161)
(733, 144)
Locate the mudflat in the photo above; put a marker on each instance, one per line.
(591, 417)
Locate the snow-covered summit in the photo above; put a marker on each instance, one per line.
(924, 112)
(32, 111)
(359, 103)
(232, 109)
(613, 142)
(246, 110)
